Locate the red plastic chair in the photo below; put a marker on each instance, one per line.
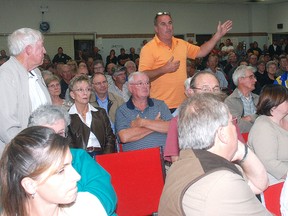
(245, 136)
(271, 198)
(138, 179)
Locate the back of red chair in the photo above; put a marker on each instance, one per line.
(245, 136)
(137, 177)
(272, 198)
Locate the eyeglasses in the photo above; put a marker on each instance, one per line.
(54, 85)
(100, 83)
(206, 88)
(83, 90)
(250, 77)
(141, 84)
(163, 13)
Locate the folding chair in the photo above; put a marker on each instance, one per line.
(138, 179)
(271, 198)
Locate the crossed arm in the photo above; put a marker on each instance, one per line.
(140, 128)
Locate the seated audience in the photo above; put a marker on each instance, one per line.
(242, 102)
(212, 66)
(203, 81)
(110, 68)
(271, 73)
(94, 179)
(283, 79)
(66, 74)
(111, 58)
(82, 69)
(190, 67)
(205, 180)
(95, 54)
(260, 75)
(61, 57)
(141, 122)
(268, 136)
(232, 62)
(123, 57)
(53, 85)
(283, 63)
(120, 85)
(132, 56)
(130, 67)
(98, 66)
(90, 127)
(37, 177)
(104, 99)
(46, 74)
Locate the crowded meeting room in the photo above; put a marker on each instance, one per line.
(144, 108)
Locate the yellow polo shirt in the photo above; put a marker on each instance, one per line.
(170, 86)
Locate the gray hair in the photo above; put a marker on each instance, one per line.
(199, 119)
(78, 79)
(129, 63)
(241, 72)
(187, 83)
(132, 75)
(271, 63)
(194, 77)
(48, 115)
(21, 38)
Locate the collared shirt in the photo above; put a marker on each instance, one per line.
(127, 112)
(221, 77)
(103, 103)
(124, 93)
(93, 141)
(155, 54)
(36, 94)
(248, 104)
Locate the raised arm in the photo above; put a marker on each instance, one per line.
(222, 29)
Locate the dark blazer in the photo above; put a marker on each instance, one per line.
(100, 127)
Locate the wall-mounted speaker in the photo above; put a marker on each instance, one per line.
(280, 26)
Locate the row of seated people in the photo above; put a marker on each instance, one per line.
(243, 110)
(62, 58)
(143, 117)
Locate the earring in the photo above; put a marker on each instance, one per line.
(33, 195)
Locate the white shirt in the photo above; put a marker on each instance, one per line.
(85, 204)
(93, 141)
(36, 94)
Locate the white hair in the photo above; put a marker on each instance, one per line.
(21, 38)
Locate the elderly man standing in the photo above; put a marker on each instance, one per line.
(163, 59)
(242, 102)
(21, 84)
(142, 122)
(216, 186)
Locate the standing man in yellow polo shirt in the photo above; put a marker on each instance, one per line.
(163, 59)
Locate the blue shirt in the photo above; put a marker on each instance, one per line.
(127, 112)
(103, 104)
(282, 80)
